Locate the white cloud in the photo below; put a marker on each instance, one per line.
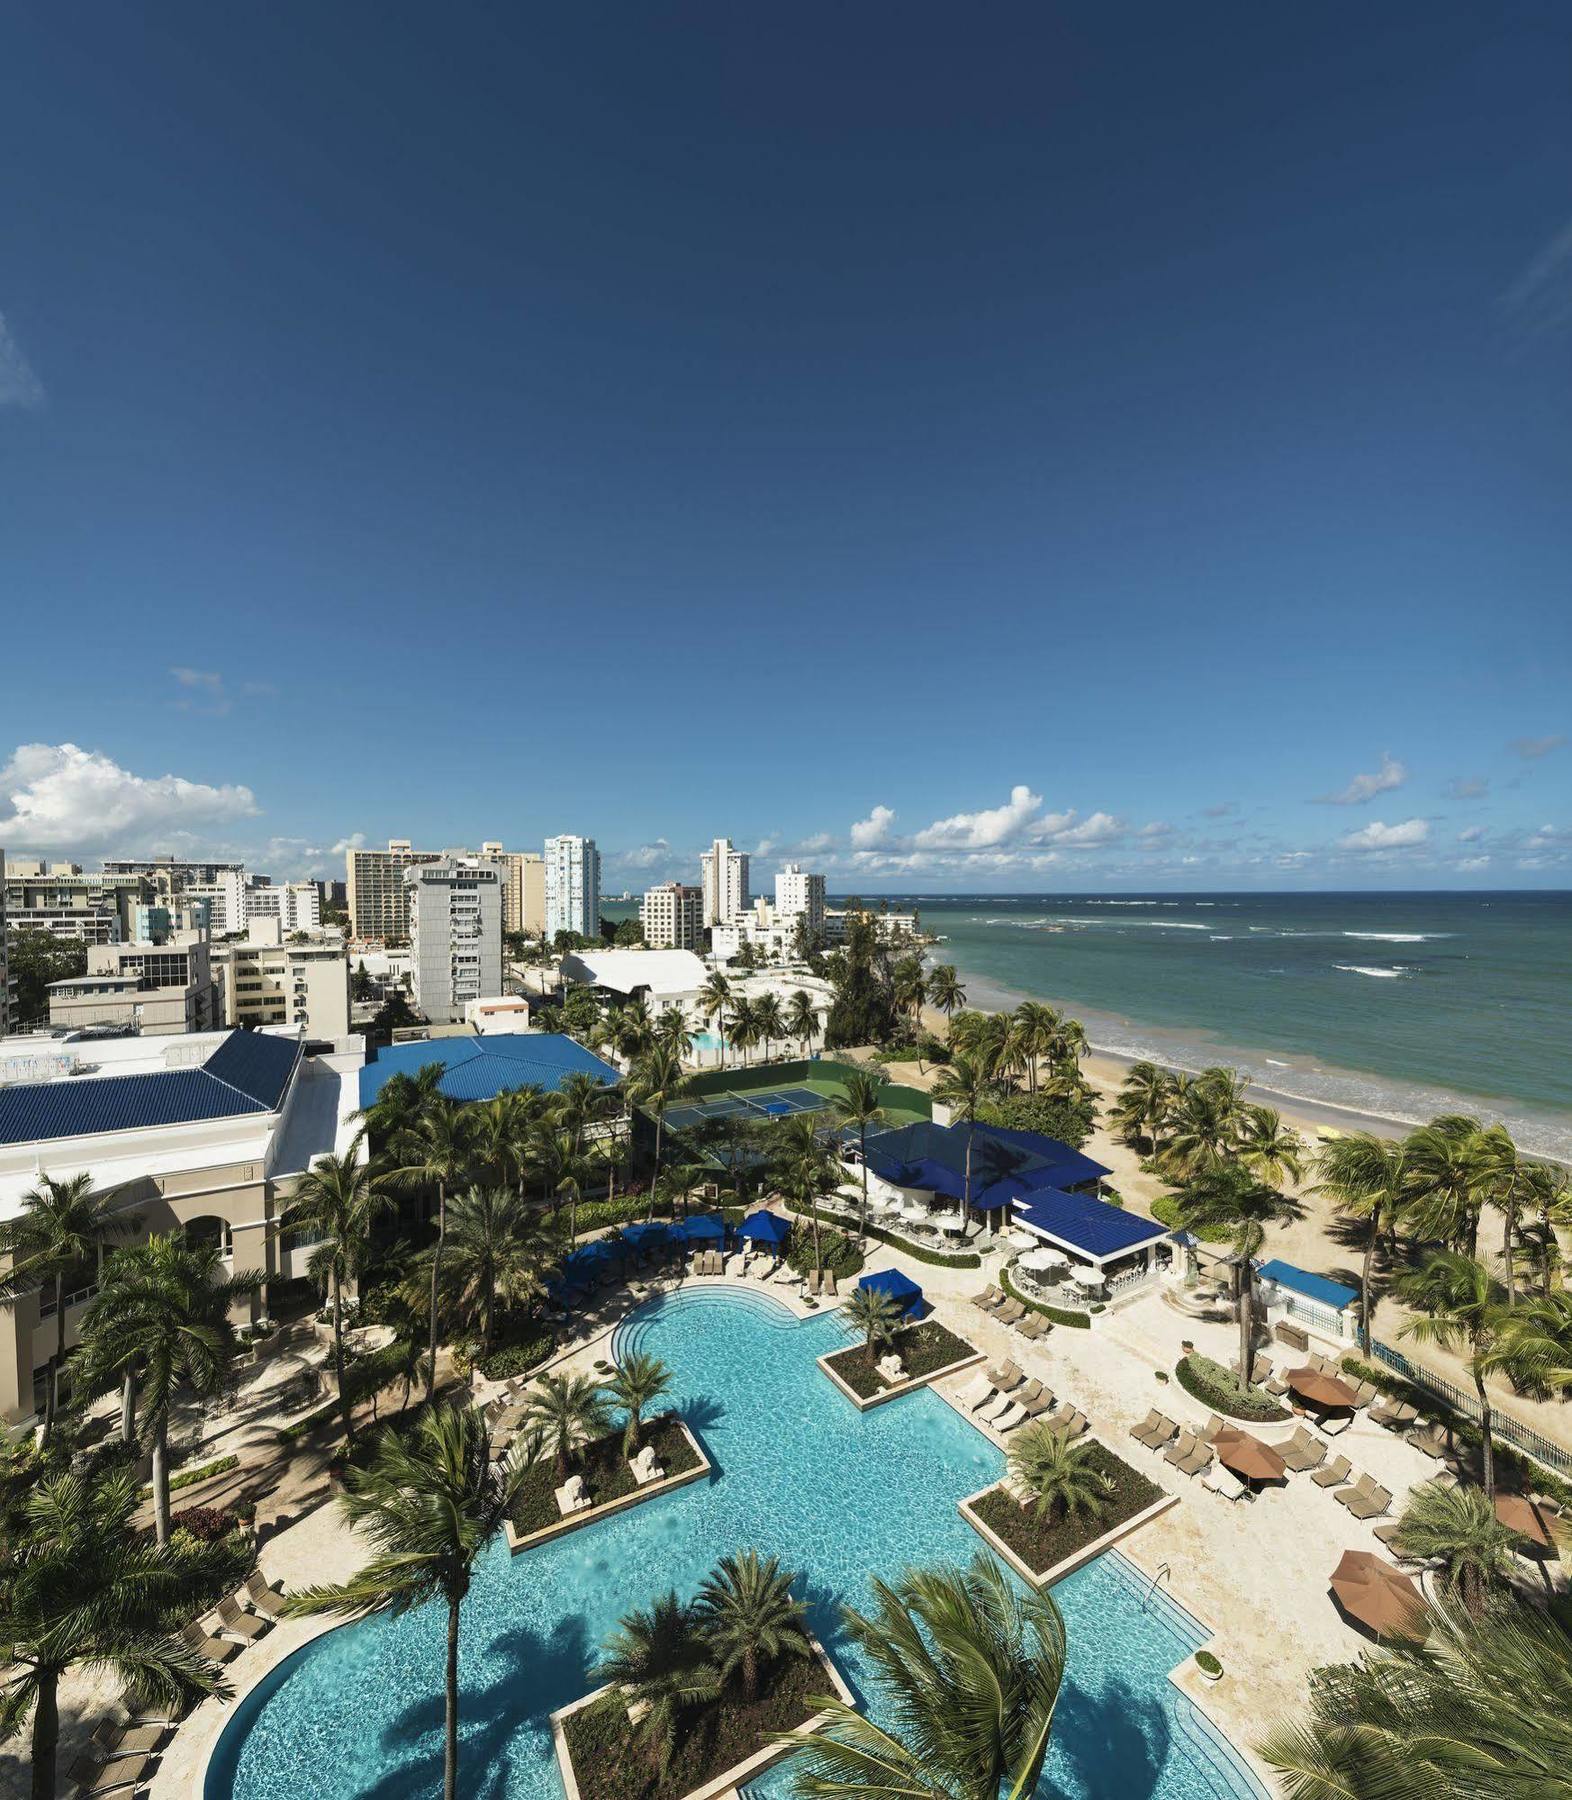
(870, 833)
(355, 841)
(202, 691)
(1469, 787)
(1376, 836)
(1472, 864)
(19, 386)
(1159, 828)
(647, 856)
(1470, 834)
(1532, 748)
(1539, 301)
(1099, 828)
(62, 797)
(981, 830)
(1547, 838)
(1391, 774)
(821, 840)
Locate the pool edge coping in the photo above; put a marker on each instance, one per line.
(913, 1383)
(592, 1515)
(1077, 1559)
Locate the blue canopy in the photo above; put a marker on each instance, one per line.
(707, 1227)
(1000, 1193)
(765, 1228)
(928, 1173)
(676, 1232)
(901, 1289)
(651, 1232)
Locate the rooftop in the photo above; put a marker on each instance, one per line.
(661, 971)
(479, 1068)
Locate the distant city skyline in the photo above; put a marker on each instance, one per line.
(1077, 449)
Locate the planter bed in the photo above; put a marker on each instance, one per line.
(719, 1748)
(1217, 1388)
(1044, 1552)
(929, 1350)
(535, 1518)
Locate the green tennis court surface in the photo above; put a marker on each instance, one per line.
(768, 1103)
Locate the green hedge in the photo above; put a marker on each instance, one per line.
(1077, 1321)
(190, 1477)
(1215, 1387)
(936, 1259)
(596, 1215)
(1165, 1211)
(838, 1252)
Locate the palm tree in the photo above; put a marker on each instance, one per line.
(1507, 1178)
(1550, 1193)
(970, 1668)
(1223, 1194)
(655, 1082)
(859, 1105)
(401, 1101)
(1143, 1103)
(746, 1617)
(163, 1310)
(1038, 1035)
(1366, 1177)
(502, 1128)
(1204, 1120)
(964, 1088)
(60, 1230)
(1060, 1474)
(1457, 1528)
(671, 1029)
(909, 986)
(1463, 1308)
(661, 1665)
(430, 1502)
(581, 1099)
(1449, 1169)
(436, 1148)
(714, 1003)
(1267, 1148)
(769, 1021)
(637, 1383)
(573, 1171)
(804, 1169)
(335, 1204)
(875, 1314)
(631, 1030)
(499, 1249)
(1539, 1343)
(1478, 1710)
(744, 1024)
(568, 1410)
(802, 1019)
(83, 1591)
(945, 990)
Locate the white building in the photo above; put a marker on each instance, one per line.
(5, 973)
(221, 884)
(661, 978)
(507, 1014)
(270, 982)
(672, 916)
(725, 882)
(572, 887)
(149, 989)
(799, 895)
(296, 905)
(455, 933)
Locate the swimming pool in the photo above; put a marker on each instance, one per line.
(836, 1493)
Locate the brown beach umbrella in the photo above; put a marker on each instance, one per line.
(1380, 1597)
(1320, 1389)
(1518, 1513)
(1248, 1456)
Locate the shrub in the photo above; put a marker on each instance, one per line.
(517, 1357)
(1207, 1663)
(205, 1524)
(838, 1252)
(1069, 1119)
(1165, 1210)
(190, 1477)
(937, 1259)
(1060, 1315)
(1222, 1391)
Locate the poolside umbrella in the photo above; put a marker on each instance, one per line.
(706, 1227)
(1040, 1259)
(1321, 1389)
(637, 1236)
(901, 1289)
(1518, 1513)
(1379, 1597)
(1247, 1456)
(765, 1228)
(677, 1233)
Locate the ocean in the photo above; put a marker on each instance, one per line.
(1400, 1005)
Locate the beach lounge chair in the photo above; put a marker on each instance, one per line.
(1033, 1390)
(1394, 1414)
(1181, 1449)
(976, 1391)
(215, 1649)
(1388, 1534)
(1277, 1386)
(1142, 1432)
(1334, 1474)
(1006, 1378)
(1035, 1408)
(1304, 1450)
(989, 1298)
(995, 1408)
(1371, 1500)
(1198, 1461)
(1155, 1431)
(1011, 1311)
(1224, 1481)
(243, 1625)
(1260, 1369)
(267, 1600)
(1365, 1393)
(831, 1292)
(1213, 1425)
(1012, 1416)
(1431, 1442)
(125, 1739)
(105, 1775)
(815, 1280)
(1033, 1327)
(1076, 1423)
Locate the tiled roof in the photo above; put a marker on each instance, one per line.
(477, 1068)
(1086, 1224)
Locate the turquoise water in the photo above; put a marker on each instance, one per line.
(799, 1472)
(1398, 1004)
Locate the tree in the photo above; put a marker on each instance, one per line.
(499, 1250)
(401, 1101)
(714, 1003)
(1508, 1179)
(945, 990)
(36, 958)
(581, 1099)
(629, 935)
(909, 984)
(1478, 1710)
(1449, 1168)
(656, 1082)
(802, 1018)
(1463, 1309)
(436, 1148)
(744, 1024)
(60, 1231)
(863, 1010)
(662, 1666)
(1457, 1528)
(361, 986)
(163, 1311)
(394, 1014)
(747, 1618)
(1366, 1178)
(964, 1088)
(1038, 1034)
(1061, 1475)
(671, 1030)
(430, 1502)
(769, 1021)
(637, 1383)
(1143, 1103)
(1267, 1148)
(1539, 1343)
(804, 1169)
(859, 1105)
(567, 1410)
(875, 1314)
(631, 1031)
(83, 1591)
(970, 1667)
(1204, 1119)
(1223, 1194)
(501, 1129)
(336, 1203)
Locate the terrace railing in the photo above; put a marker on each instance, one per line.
(1503, 1427)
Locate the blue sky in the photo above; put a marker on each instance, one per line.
(1034, 446)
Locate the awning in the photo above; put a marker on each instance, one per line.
(706, 1227)
(765, 1228)
(901, 1289)
(1313, 1287)
(652, 1231)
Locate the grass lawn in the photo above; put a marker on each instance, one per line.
(1040, 1545)
(923, 1348)
(605, 1471)
(1165, 1210)
(712, 1738)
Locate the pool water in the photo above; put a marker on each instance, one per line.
(837, 1494)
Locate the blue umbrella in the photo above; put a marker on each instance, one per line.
(640, 1235)
(765, 1228)
(901, 1289)
(707, 1227)
(676, 1233)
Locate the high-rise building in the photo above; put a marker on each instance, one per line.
(523, 887)
(270, 982)
(800, 895)
(5, 972)
(725, 873)
(60, 899)
(378, 899)
(672, 916)
(455, 934)
(572, 886)
(222, 884)
(297, 905)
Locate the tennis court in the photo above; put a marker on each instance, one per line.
(768, 1103)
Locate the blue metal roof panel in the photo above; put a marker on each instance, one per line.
(1313, 1287)
(257, 1063)
(477, 1068)
(1087, 1224)
(37, 1111)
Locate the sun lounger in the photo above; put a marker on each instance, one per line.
(1213, 1425)
(1198, 1461)
(1260, 1369)
(1142, 1432)
(1388, 1535)
(111, 1740)
(995, 1408)
(1183, 1447)
(1334, 1474)
(1365, 1393)
(1033, 1390)
(99, 1775)
(1224, 1481)
(1012, 1416)
(1032, 1327)
(1062, 1419)
(1035, 1405)
(815, 1280)
(976, 1391)
(1006, 1378)
(1076, 1423)
(1277, 1386)
(1304, 1450)
(1370, 1500)
(243, 1625)
(831, 1292)
(1161, 1430)
(1394, 1414)
(989, 1298)
(215, 1649)
(1011, 1311)
(1432, 1442)
(267, 1600)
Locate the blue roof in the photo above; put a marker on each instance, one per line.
(1313, 1287)
(901, 1288)
(1064, 1167)
(926, 1155)
(479, 1068)
(1084, 1223)
(247, 1073)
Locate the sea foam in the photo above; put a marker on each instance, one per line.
(1378, 974)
